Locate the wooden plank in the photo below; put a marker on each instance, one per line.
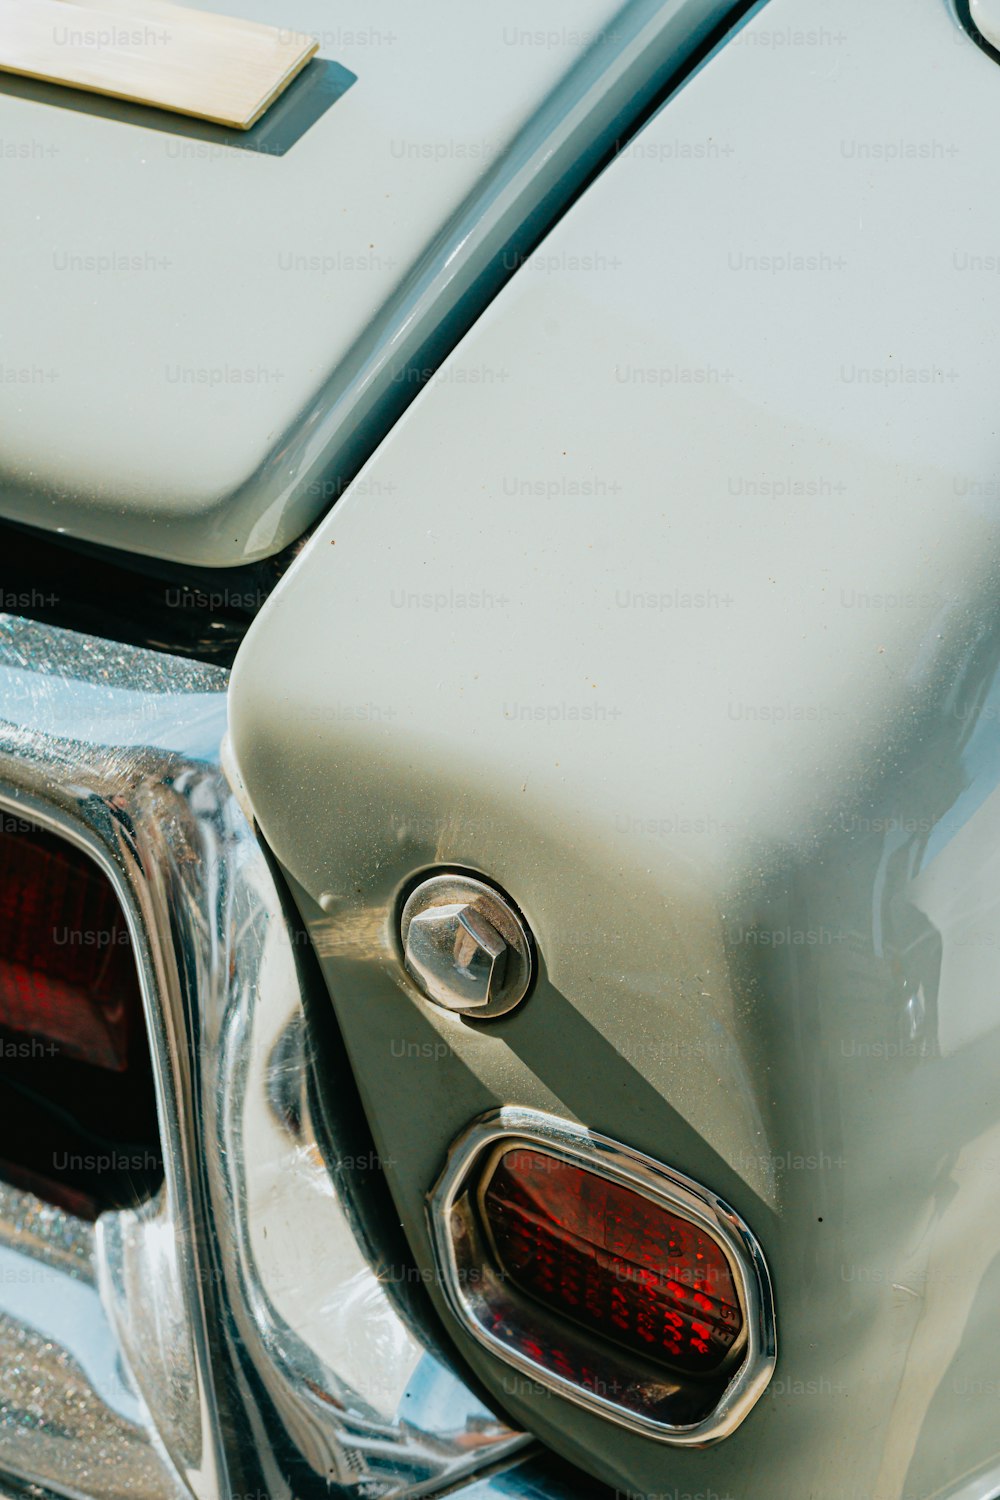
(193, 62)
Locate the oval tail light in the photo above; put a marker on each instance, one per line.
(604, 1276)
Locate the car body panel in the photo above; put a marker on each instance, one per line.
(204, 333)
(686, 636)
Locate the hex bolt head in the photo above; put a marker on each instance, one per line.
(456, 955)
(466, 946)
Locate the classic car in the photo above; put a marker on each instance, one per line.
(499, 750)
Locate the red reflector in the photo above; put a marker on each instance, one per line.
(67, 973)
(612, 1260)
(603, 1275)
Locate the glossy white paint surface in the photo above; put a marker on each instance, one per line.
(686, 634)
(194, 338)
(986, 16)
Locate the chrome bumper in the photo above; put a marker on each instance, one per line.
(238, 1334)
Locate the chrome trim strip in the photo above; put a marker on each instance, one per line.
(513, 1125)
(69, 1415)
(244, 1301)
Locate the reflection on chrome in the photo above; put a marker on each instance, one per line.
(233, 1334)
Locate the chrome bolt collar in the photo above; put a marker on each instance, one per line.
(466, 946)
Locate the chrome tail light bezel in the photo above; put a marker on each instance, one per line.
(479, 1297)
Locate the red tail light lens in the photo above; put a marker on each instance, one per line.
(612, 1260)
(67, 973)
(78, 1122)
(602, 1275)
